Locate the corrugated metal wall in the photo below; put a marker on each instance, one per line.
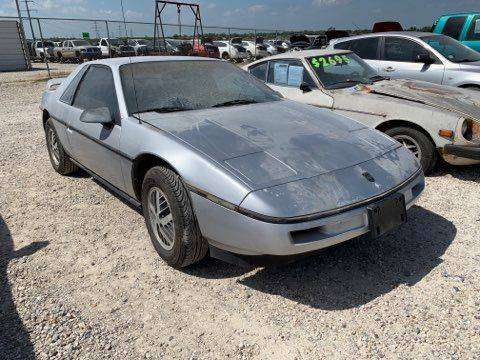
(12, 56)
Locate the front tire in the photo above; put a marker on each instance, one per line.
(170, 219)
(418, 143)
(59, 159)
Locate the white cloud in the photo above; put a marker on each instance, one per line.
(322, 3)
(256, 8)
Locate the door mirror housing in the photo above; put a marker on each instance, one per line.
(99, 116)
(305, 87)
(424, 57)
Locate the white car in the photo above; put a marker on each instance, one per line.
(430, 120)
(231, 50)
(255, 49)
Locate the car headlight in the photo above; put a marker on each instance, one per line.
(471, 130)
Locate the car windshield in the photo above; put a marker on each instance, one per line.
(452, 49)
(80, 43)
(115, 42)
(45, 43)
(342, 70)
(141, 42)
(196, 85)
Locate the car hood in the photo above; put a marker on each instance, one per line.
(463, 102)
(276, 142)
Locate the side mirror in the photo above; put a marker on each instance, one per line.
(424, 57)
(99, 115)
(305, 87)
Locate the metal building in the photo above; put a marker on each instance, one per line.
(13, 54)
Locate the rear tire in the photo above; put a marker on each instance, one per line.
(170, 220)
(61, 163)
(225, 56)
(418, 143)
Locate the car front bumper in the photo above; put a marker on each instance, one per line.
(233, 232)
(463, 151)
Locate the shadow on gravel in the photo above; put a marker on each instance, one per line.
(359, 271)
(14, 338)
(466, 173)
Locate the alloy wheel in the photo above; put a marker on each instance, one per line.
(161, 219)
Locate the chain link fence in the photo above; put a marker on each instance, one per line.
(90, 32)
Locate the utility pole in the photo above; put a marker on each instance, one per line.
(29, 17)
(95, 28)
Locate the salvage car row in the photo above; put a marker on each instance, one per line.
(303, 150)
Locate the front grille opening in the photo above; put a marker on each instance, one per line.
(417, 189)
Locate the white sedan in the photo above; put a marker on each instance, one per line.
(432, 121)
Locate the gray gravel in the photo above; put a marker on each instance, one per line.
(80, 279)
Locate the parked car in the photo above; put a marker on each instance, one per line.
(430, 120)
(464, 27)
(280, 46)
(140, 46)
(299, 42)
(417, 55)
(210, 169)
(76, 50)
(255, 49)
(231, 50)
(317, 41)
(39, 50)
(205, 47)
(180, 46)
(384, 26)
(115, 48)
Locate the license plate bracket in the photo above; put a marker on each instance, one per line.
(386, 215)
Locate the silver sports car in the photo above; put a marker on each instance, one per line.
(219, 162)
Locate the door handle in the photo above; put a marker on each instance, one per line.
(389, 69)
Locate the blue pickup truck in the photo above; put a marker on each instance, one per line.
(464, 27)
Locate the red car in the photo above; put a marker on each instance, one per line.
(205, 48)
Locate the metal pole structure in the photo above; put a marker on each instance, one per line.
(24, 38)
(108, 38)
(255, 41)
(29, 18)
(43, 46)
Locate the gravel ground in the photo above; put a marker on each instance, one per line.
(80, 279)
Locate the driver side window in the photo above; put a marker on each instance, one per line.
(288, 73)
(402, 50)
(96, 90)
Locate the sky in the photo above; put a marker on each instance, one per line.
(261, 14)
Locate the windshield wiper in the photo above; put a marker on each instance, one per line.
(236, 102)
(166, 109)
(378, 78)
(466, 60)
(351, 81)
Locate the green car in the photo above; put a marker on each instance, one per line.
(464, 27)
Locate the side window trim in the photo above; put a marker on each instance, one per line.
(382, 55)
(117, 119)
(82, 73)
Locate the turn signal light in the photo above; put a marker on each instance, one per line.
(446, 134)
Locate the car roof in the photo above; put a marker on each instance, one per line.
(303, 54)
(114, 62)
(460, 14)
(414, 34)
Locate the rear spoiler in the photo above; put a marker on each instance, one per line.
(53, 84)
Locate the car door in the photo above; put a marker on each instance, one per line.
(286, 76)
(398, 60)
(472, 37)
(94, 145)
(104, 47)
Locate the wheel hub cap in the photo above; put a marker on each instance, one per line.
(410, 143)
(161, 219)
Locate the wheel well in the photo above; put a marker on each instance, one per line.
(45, 117)
(466, 86)
(141, 165)
(396, 123)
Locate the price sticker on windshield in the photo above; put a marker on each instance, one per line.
(328, 61)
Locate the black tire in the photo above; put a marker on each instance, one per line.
(225, 56)
(428, 157)
(61, 161)
(189, 246)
